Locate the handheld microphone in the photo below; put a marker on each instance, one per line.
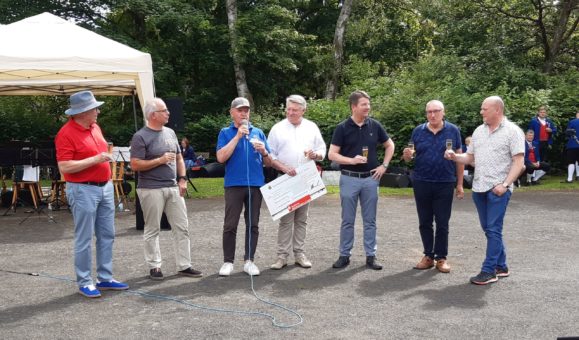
(245, 123)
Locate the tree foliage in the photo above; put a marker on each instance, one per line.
(402, 52)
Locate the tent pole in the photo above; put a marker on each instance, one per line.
(135, 112)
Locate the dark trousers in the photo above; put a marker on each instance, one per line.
(236, 198)
(434, 204)
(544, 150)
(542, 166)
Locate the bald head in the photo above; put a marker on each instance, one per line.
(497, 103)
(492, 110)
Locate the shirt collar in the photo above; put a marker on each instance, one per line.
(80, 127)
(425, 125)
(501, 124)
(352, 122)
(233, 125)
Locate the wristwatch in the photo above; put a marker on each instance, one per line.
(181, 177)
(385, 166)
(505, 185)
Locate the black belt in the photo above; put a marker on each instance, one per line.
(356, 174)
(98, 184)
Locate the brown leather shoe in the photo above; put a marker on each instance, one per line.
(442, 266)
(425, 263)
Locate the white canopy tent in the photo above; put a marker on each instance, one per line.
(46, 55)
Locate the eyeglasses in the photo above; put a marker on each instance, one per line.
(164, 110)
(433, 111)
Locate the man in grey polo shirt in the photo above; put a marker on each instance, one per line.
(156, 155)
(498, 149)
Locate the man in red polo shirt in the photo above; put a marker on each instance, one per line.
(83, 159)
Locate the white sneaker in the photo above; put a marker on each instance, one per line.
(226, 269)
(250, 268)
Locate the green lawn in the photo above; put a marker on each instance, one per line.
(213, 187)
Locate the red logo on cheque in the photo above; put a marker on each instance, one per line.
(299, 202)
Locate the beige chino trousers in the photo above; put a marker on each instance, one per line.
(292, 232)
(154, 202)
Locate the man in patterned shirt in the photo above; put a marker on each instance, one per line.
(497, 148)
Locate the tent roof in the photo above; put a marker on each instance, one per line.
(46, 55)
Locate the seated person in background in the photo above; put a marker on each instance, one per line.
(535, 169)
(188, 153)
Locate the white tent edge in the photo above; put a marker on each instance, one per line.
(47, 55)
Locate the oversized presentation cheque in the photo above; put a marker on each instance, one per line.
(287, 193)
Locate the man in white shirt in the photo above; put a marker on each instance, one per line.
(294, 141)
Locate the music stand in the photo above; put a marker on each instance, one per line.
(120, 155)
(29, 156)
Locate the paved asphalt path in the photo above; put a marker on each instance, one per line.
(540, 300)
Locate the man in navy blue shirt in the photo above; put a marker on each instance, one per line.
(433, 180)
(354, 147)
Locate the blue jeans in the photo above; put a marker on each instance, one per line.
(93, 211)
(366, 190)
(491, 213)
(434, 204)
(189, 163)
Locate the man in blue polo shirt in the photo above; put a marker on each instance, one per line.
(433, 181)
(354, 147)
(244, 150)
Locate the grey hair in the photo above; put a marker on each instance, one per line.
(434, 101)
(297, 99)
(151, 106)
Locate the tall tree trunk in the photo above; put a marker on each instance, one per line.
(240, 79)
(332, 84)
(560, 34)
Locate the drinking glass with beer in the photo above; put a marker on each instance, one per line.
(449, 144)
(411, 147)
